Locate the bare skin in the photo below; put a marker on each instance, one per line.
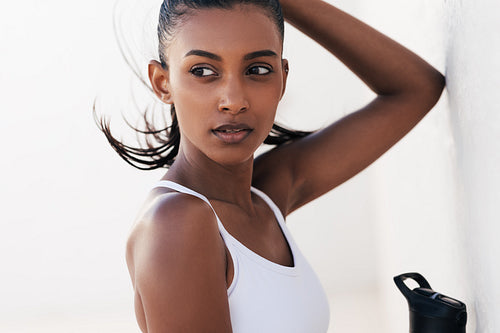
(178, 262)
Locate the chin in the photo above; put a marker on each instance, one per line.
(232, 156)
(233, 160)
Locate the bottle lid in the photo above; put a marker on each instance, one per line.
(426, 302)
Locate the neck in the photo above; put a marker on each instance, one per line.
(225, 183)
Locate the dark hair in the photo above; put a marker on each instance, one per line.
(173, 11)
(160, 145)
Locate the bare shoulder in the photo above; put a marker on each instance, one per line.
(176, 260)
(171, 221)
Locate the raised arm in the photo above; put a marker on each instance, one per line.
(407, 88)
(176, 259)
(385, 66)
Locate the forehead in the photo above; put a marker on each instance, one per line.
(239, 30)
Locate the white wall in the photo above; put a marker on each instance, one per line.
(473, 50)
(437, 189)
(68, 200)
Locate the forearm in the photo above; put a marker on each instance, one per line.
(385, 66)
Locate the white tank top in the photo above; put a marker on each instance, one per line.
(265, 297)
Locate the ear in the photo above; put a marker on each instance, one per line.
(284, 70)
(158, 76)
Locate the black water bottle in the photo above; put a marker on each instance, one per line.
(430, 311)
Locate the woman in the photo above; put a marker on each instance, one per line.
(210, 251)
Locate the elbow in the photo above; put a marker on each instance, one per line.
(439, 83)
(423, 94)
(429, 91)
(422, 88)
(435, 88)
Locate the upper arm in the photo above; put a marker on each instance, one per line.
(179, 268)
(325, 159)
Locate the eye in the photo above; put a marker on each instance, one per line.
(259, 70)
(202, 71)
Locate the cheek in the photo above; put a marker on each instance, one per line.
(191, 104)
(186, 91)
(192, 119)
(265, 100)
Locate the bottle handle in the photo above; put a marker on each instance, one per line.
(399, 280)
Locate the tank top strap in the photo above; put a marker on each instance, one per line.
(271, 204)
(226, 236)
(183, 189)
(280, 218)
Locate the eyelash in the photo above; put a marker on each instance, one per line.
(268, 68)
(203, 68)
(194, 69)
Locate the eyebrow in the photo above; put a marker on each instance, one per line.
(249, 56)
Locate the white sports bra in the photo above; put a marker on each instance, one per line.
(265, 297)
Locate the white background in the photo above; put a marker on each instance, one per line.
(68, 200)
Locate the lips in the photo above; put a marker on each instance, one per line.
(232, 133)
(236, 130)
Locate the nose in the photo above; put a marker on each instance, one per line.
(233, 97)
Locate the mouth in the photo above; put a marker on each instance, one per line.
(231, 130)
(232, 133)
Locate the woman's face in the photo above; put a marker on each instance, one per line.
(225, 78)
